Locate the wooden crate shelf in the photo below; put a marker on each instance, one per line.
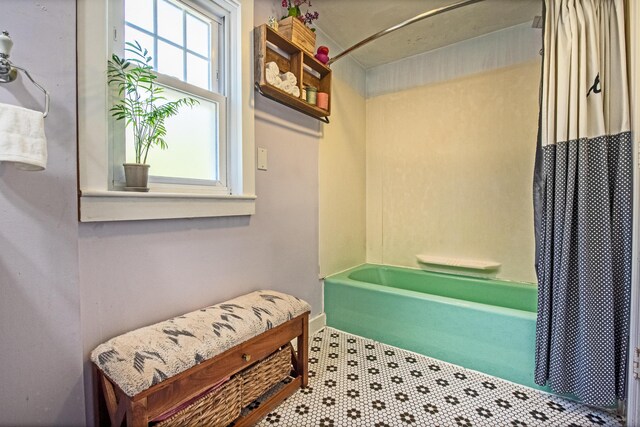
(271, 46)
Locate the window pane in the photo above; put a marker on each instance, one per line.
(170, 60)
(140, 13)
(170, 22)
(198, 37)
(131, 35)
(198, 71)
(192, 139)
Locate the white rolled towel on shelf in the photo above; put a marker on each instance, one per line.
(289, 77)
(296, 92)
(22, 138)
(286, 86)
(273, 67)
(273, 78)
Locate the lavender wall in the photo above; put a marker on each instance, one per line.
(136, 273)
(40, 340)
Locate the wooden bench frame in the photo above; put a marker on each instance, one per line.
(112, 406)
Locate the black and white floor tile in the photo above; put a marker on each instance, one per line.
(355, 381)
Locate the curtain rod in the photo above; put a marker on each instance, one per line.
(410, 21)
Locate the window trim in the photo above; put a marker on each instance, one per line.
(96, 201)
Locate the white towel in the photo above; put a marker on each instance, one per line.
(296, 92)
(286, 86)
(273, 67)
(272, 78)
(22, 139)
(289, 77)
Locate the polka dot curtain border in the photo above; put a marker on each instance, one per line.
(584, 268)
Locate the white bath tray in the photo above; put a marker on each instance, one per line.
(435, 263)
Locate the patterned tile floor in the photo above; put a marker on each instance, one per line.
(355, 381)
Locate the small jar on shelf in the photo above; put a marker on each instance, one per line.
(312, 95)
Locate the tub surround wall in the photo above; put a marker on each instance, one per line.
(342, 169)
(449, 163)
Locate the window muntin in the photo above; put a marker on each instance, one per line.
(182, 41)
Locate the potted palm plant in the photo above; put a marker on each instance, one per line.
(141, 105)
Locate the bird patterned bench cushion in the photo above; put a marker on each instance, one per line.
(144, 357)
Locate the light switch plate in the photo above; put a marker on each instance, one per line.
(262, 159)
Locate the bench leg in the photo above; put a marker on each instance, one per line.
(137, 414)
(303, 351)
(100, 412)
(112, 406)
(110, 402)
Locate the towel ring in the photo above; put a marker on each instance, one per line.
(9, 71)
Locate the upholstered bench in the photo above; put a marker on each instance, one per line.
(148, 372)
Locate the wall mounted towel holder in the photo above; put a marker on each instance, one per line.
(9, 71)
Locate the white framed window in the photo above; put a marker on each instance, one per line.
(189, 50)
(197, 48)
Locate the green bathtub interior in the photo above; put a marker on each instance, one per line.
(482, 324)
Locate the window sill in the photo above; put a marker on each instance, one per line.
(100, 205)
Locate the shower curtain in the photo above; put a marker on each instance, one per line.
(583, 202)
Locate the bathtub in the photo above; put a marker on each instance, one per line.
(482, 324)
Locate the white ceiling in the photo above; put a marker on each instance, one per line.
(350, 21)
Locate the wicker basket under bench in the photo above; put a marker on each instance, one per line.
(126, 372)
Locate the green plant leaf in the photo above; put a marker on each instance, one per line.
(139, 98)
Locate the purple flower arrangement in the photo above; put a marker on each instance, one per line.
(293, 9)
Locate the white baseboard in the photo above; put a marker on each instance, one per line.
(315, 324)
